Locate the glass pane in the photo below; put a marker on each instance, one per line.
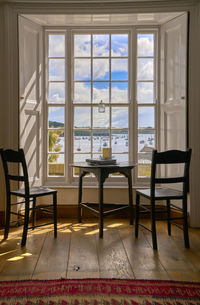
(145, 69)
(119, 92)
(146, 117)
(56, 46)
(82, 45)
(82, 117)
(82, 141)
(82, 93)
(145, 44)
(100, 45)
(119, 45)
(56, 117)
(56, 69)
(120, 157)
(101, 69)
(119, 69)
(81, 157)
(57, 93)
(120, 117)
(146, 140)
(144, 164)
(120, 141)
(100, 139)
(82, 69)
(56, 141)
(145, 93)
(100, 119)
(100, 92)
(56, 165)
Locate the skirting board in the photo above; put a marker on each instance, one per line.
(71, 211)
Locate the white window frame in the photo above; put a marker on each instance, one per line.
(155, 31)
(132, 31)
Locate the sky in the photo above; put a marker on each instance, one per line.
(101, 73)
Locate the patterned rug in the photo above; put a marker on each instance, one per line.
(99, 291)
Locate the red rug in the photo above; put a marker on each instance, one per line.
(99, 292)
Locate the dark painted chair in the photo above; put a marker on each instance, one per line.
(29, 194)
(156, 192)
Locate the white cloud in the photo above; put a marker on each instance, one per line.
(120, 117)
(57, 45)
(145, 46)
(82, 45)
(119, 95)
(145, 93)
(82, 93)
(119, 65)
(145, 69)
(100, 68)
(100, 119)
(82, 69)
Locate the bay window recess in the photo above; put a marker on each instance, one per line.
(102, 78)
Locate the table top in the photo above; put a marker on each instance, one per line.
(117, 165)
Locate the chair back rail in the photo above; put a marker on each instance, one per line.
(170, 157)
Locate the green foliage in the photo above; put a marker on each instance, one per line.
(54, 146)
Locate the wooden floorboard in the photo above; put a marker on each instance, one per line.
(78, 252)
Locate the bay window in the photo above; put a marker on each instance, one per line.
(101, 90)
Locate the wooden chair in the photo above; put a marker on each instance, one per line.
(157, 193)
(29, 194)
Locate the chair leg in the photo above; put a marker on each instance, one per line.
(168, 217)
(153, 224)
(26, 221)
(185, 224)
(137, 214)
(7, 225)
(33, 212)
(130, 196)
(55, 213)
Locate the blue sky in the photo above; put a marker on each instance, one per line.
(119, 72)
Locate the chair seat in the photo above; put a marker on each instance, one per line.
(161, 193)
(34, 192)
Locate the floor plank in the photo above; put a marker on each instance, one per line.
(78, 252)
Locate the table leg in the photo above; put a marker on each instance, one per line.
(100, 205)
(80, 196)
(130, 197)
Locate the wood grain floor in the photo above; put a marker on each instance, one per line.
(78, 252)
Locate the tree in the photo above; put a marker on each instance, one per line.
(53, 144)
